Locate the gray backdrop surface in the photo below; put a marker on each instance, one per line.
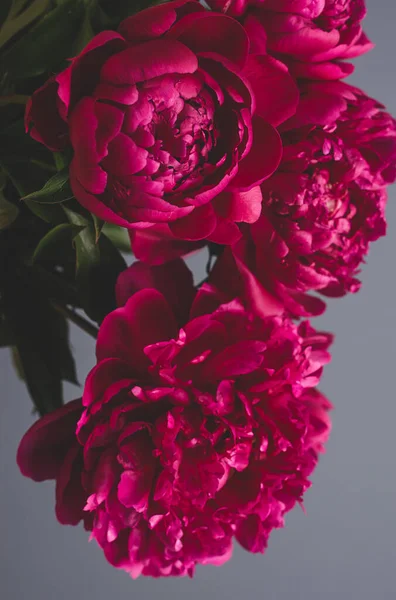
(344, 547)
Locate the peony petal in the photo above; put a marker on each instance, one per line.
(149, 60)
(310, 9)
(83, 128)
(145, 319)
(259, 299)
(359, 47)
(168, 279)
(92, 203)
(322, 70)
(70, 494)
(263, 158)
(158, 245)
(238, 359)
(305, 305)
(44, 446)
(148, 24)
(320, 104)
(42, 118)
(276, 92)
(101, 377)
(124, 157)
(145, 209)
(252, 535)
(155, 21)
(50, 105)
(134, 489)
(198, 225)
(257, 34)
(226, 233)
(241, 207)
(84, 71)
(292, 34)
(110, 121)
(231, 276)
(126, 94)
(209, 32)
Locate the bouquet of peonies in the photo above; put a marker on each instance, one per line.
(178, 128)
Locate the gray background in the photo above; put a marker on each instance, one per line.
(344, 547)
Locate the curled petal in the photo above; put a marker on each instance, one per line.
(146, 318)
(208, 32)
(149, 60)
(276, 92)
(263, 158)
(44, 446)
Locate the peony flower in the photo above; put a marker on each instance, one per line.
(200, 423)
(322, 208)
(161, 118)
(310, 36)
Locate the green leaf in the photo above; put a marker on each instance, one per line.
(87, 259)
(56, 286)
(50, 213)
(17, 363)
(6, 335)
(21, 158)
(14, 99)
(53, 238)
(118, 236)
(59, 160)
(16, 172)
(86, 33)
(47, 44)
(20, 20)
(18, 6)
(41, 338)
(98, 224)
(67, 363)
(121, 9)
(5, 6)
(8, 212)
(98, 265)
(55, 191)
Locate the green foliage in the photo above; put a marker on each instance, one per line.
(40, 335)
(119, 236)
(5, 7)
(48, 243)
(98, 264)
(8, 211)
(118, 10)
(47, 44)
(57, 261)
(54, 191)
(20, 14)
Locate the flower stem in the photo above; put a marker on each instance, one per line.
(77, 320)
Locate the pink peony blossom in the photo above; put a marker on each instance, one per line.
(322, 208)
(312, 37)
(161, 119)
(199, 424)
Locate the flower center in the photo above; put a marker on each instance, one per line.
(180, 133)
(184, 135)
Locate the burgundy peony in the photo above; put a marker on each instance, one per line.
(311, 36)
(161, 119)
(322, 208)
(199, 423)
